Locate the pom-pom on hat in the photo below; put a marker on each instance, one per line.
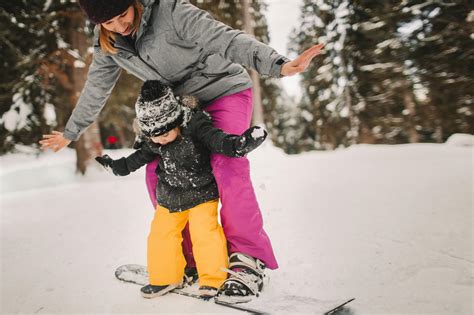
(100, 11)
(157, 109)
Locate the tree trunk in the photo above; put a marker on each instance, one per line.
(89, 145)
(257, 117)
(410, 106)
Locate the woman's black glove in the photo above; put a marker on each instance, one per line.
(249, 140)
(118, 167)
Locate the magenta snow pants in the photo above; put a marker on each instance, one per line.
(240, 214)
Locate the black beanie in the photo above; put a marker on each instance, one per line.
(157, 109)
(100, 11)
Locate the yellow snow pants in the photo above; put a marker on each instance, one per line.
(165, 255)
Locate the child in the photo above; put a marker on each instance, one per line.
(183, 139)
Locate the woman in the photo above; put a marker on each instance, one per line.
(184, 47)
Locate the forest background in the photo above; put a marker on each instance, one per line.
(398, 71)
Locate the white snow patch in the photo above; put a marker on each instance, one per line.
(393, 220)
(79, 64)
(377, 66)
(61, 43)
(470, 16)
(258, 133)
(461, 140)
(49, 114)
(410, 27)
(307, 115)
(47, 4)
(16, 117)
(368, 26)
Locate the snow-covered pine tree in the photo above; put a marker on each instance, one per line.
(26, 109)
(48, 41)
(328, 119)
(384, 78)
(440, 37)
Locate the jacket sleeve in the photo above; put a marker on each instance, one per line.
(196, 25)
(101, 78)
(134, 161)
(213, 138)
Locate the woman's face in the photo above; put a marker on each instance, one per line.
(121, 24)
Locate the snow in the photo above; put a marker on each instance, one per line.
(376, 66)
(258, 133)
(389, 225)
(470, 16)
(16, 117)
(408, 28)
(79, 64)
(49, 114)
(461, 139)
(369, 26)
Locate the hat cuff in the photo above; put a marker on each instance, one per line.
(98, 16)
(169, 126)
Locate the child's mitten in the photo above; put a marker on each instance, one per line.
(250, 140)
(118, 167)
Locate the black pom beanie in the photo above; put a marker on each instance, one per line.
(100, 11)
(157, 109)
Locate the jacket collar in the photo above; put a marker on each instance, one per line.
(146, 15)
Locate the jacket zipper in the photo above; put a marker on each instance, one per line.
(214, 75)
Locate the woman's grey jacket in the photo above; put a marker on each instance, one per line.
(182, 46)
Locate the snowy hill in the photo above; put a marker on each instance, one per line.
(389, 225)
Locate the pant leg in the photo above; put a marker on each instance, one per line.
(151, 181)
(241, 217)
(210, 249)
(165, 256)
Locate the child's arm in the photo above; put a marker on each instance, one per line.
(218, 141)
(124, 166)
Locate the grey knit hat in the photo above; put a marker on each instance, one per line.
(158, 111)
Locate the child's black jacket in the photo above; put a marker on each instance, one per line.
(184, 171)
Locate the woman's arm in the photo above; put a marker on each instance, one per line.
(196, 25)
(101, 78)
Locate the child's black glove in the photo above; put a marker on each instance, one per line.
(250, 140)
(118, 167)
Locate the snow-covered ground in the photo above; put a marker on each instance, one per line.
(389, 225)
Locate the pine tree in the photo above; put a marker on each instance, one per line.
(25, 107)
(394, 71)
(388, 111)
(328, 81)
(439, 34)
(52, 39)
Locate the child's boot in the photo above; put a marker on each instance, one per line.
(246, 280)
(152, 291)
(190, 276)
(207, 292)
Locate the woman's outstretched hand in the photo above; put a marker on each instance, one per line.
(54, 141)
(302, 61)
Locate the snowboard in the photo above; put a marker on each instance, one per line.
(282, 304)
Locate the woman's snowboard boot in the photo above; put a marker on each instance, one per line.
(246, 279)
